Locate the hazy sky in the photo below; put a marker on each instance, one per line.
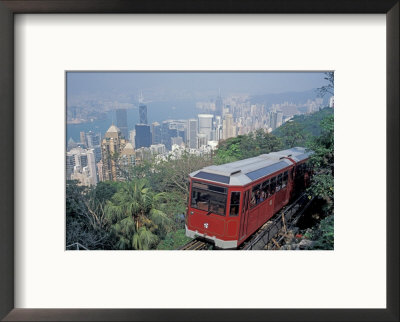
(242, 82)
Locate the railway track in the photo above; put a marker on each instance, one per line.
(285, 219)
(195, 244)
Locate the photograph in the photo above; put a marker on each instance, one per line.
(199, 160)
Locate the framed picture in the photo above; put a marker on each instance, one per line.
(42, 280)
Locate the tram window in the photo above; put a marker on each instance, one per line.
(255, 196)
(279, 182)
(265, 189)
(273, 185)
(235, 202)
(209, 200)
(285, 179)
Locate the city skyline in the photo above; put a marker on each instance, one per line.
(133, 136)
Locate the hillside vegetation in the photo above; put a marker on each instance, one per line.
(146, 211)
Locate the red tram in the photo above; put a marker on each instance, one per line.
(229, 202)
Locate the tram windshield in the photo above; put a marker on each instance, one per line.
(210, 198)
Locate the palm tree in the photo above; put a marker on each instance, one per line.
(133, 215)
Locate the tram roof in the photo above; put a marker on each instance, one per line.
(245, 171)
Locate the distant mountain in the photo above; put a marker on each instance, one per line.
(291, 97)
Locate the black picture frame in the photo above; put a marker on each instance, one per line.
(11, 7)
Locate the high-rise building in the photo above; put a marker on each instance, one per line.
(142, 114)
(201, 140)
(276, 119)
(132, 136)
(143, 154)
(91, 164)
(228, 127)
(100, 170)
(219, 106)
(157, 149)
(111, 146)
(81, 166)
(83, 138)
(128, 155)
(192, 134)
(165, 134)
(143, 136)
(93, 139)
(94, 142)
(206, 125)
(156, 133)
(70, 164)
(279, 118)
(122, 121)
(176, 140)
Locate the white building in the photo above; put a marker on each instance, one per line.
(192, 134)
(206, 125)
(158, 149)
(81, 165)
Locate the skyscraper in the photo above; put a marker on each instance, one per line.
(206, 125)
(279, 118)
(219, 106)
(143, 136)
(94, 142)
(192, 134)
(122, 121)
(142, 114)
(83, 138)
(132, 135)
(156, 133)
(111, 146)
(229, 129)
(128, 155)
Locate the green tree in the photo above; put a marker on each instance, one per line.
(322, 234)
(134, 215)
(173, 174)
(83, 225)
(246, 146)
(323, 164)
(292, 135)
(329, 88)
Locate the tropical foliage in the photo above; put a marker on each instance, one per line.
(135, 216)
(322, 234)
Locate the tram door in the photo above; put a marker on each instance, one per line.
(244, 215)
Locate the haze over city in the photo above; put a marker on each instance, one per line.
(172, 85)
(144, 115)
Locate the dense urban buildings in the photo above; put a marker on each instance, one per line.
(95, 158)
